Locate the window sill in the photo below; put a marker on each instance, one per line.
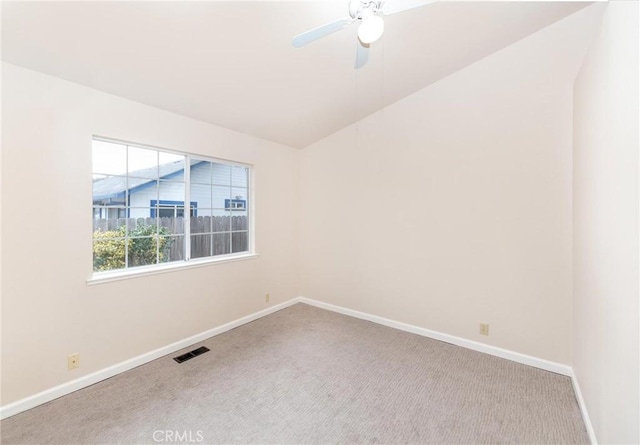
(107, 277)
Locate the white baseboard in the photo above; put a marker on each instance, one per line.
(583, 409)
(90, 379)
(459, 341)
(95, 377)
(536, 362)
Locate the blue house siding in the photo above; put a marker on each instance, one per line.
(210, 200)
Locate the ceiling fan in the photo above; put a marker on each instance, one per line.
(369, 13)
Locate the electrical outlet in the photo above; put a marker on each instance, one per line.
(73, 361)
(484, 328)
(266, 298)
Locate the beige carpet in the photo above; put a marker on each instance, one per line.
(306, 375)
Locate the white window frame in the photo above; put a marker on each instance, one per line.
(188, 262)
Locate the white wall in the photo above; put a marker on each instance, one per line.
(48, 309)
(605, 231)
(459, 210)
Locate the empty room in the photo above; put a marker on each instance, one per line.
(320, 222)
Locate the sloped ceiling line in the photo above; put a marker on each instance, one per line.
(233, 64)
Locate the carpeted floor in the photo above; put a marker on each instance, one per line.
(306, 375)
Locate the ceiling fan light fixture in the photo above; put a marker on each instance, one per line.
(370, 29)
(368, 13)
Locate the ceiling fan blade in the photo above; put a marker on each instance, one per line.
(394, 6)
(362, 55)
(319, 32)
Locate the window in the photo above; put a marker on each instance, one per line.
(139, 196)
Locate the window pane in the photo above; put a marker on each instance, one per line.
(108, 253)
(142, 226)
(239, 242)
(109, 158)
(200, 172)
(221, 243)
(109, 219)
(201, 195)
(221, 223)
(239, 222)
(143, 163)
(142, 192)
(171, 226)
(239, 193)
(136, 213)
(221, 174)
(200, 246)
(204, 211)
(171, 193)
(171, 166)
(239, 176)
(239, 201)
(142, 251)
(221, 194)
(171, 248)
(201, 224)
(110, 190)
(170, 211)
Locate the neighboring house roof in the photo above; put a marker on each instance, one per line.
(115, 186)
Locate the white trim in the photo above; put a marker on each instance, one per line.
(186, 171)
(95, 377)
(583, 410)
(90, 379)
(107, 277)
(459, 341)
(202, 157)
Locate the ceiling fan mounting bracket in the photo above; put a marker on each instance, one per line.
(357, 8)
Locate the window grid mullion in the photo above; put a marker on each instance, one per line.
(230, 212)
(211, 212)
(126, 220)
(187, 202)
(158, 211)
(246, 208)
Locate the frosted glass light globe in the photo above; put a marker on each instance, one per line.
(371, 29)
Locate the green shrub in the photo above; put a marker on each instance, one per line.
(109, 247)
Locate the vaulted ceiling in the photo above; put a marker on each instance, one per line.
(232, 63)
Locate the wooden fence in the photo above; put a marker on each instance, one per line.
(210, 235)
